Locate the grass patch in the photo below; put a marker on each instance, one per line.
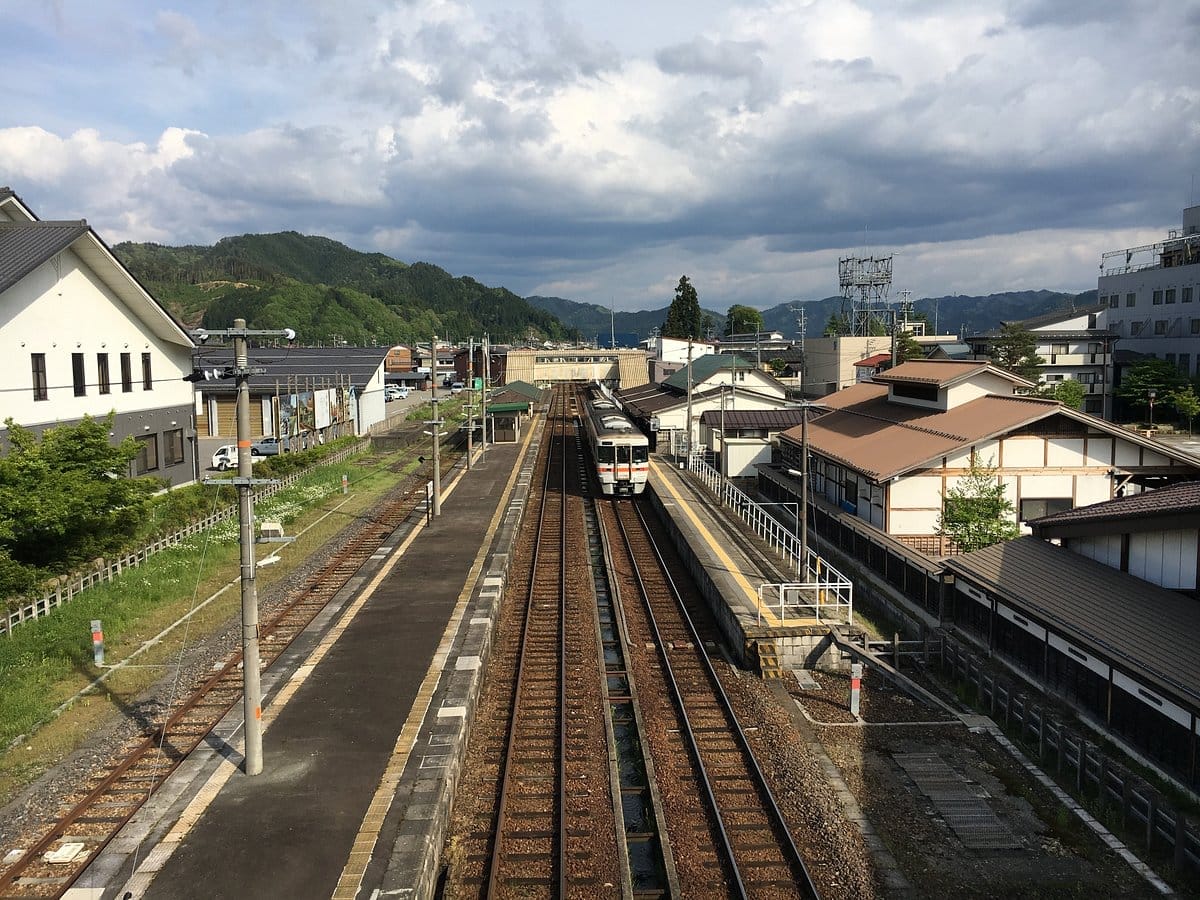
(47, 661)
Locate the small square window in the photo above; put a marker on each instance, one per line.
(1131, 299)
(1170, 295)
(1185, 295)
(1156, 298)
(1195, 326)
(1136, 328)
(1160, 326)
(147, 457)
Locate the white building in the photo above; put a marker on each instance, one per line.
(1152, 295)
(889, 450)
(82, 337)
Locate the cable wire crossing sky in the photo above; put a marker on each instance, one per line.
(599, 151)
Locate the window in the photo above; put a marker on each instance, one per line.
(1157, 298)
(1053, 378)
(1113, 301)
(147, 380)
(1135, 328)
(1035, 509)
(173, 440)
(1185, 362)
(1170, 358)
(1170, 295)
(41, 390)
(928, 392)
(1088, 378)
(1160, 326)
(1185, 296)
(102, 373)
(1059, 348)
(1095, 347)
(78, 375)
(147, 458)
(1131, 299)
(126, 374)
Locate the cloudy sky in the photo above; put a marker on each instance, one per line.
(598, 151)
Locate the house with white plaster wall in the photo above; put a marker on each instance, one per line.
(81, 336)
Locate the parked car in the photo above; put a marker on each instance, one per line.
(265, 446)
(457, 387)
(391, 392)
(226, 458)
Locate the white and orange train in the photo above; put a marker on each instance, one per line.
(620, 453)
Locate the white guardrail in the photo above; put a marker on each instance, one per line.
(64, 593)
(819, 592)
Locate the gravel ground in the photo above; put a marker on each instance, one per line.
(29, 814)
(1058, 856)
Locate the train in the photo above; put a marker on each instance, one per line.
(620, 452)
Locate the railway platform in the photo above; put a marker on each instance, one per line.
(364, 726)
(732, 572)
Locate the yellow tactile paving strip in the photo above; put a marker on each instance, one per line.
(685, 506)
(368, 833)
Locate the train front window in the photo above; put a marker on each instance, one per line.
(623, 454)
(604, 453)
(641, 454)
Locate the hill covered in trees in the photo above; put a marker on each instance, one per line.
(327, 291)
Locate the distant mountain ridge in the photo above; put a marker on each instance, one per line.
(327, 291)
(953, 314)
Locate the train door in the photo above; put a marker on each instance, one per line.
(623, 470)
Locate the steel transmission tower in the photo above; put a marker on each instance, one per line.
(865, 282)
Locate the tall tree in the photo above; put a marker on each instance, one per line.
(976, 512)
(1015, 350)
(1146, 375)
(1186, 403)
(743, 320)
(684, 318)
(1068, 392)
(907, 347)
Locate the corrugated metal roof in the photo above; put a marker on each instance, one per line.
(703, 367)
(775, 419)
(308, 368)
(875, 360)
(524, 389)
(1149, 629)
(26, 245)
(1176, 499)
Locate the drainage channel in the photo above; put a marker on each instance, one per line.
(650, 868)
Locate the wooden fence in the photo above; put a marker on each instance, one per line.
(64, 593)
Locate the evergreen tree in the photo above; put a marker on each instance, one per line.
(1015, 350)
(976, 512)
(1186, 403)
(1147, 375)
(684, 318)
(907, 347)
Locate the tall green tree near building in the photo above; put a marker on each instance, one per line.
(1186, 403)
(976, 512)
(685, 319)
(1015, 350)
(1146, 375)
(743, 320)
(907, 347)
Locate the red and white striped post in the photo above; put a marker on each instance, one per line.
(855, 687)
(97, 642)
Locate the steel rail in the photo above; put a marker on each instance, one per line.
(787, 843)
(494, 875)
(183, 740)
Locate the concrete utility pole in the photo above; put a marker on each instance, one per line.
(436, 430)
(487, 381)
(470, 397)
(245, 482)
(689, 402)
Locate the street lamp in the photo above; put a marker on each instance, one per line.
(1150, 395)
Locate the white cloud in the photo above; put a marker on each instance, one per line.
(559, 146)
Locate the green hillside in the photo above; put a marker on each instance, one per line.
(591, 319)
(327, 291)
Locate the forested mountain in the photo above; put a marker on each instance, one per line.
(592, 320)
(327, 291)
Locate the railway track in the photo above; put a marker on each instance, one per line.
(728, 835)
(535, 815)
(55, 860)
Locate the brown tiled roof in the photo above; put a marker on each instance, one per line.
(941, 372)
(1177, 499)
(883, 440)
(874, 360)
(1148, 629)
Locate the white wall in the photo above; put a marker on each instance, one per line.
(1166, 558)
(68, 311)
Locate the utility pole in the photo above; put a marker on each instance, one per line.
(245, 482)
(487, 380)
(435, 430)
(689, 402)
(470, 397)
